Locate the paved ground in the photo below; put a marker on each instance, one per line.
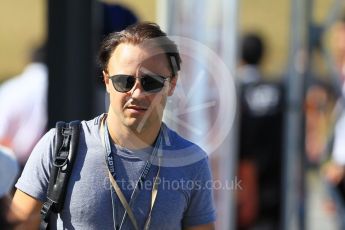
(317, 218)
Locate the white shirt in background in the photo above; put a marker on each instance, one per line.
(23, 110)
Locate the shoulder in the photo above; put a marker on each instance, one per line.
(178, 151)
(87, 127)
(90, 128)
(173, 140)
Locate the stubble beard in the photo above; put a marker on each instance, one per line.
(142, 124)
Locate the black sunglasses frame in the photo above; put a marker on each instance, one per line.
(146, 77)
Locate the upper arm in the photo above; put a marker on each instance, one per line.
(33, 184)
(25, 210)
(209, 226)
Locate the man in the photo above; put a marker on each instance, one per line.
(251, 55)
(140, 66)
(334, 169)
(259, 155)
(9, 170)
(23, 115)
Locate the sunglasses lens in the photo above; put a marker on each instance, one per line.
(152, 83)
(123, 83)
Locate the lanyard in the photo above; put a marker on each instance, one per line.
(109, 158)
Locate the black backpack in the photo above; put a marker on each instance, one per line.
(65, 150)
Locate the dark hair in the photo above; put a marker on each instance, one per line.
(252, 49)
(147, 32)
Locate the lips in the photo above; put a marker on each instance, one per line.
(138, 108)
(134, 109)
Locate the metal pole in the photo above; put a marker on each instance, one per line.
(229, 149)
(71, 55)
(294, 125)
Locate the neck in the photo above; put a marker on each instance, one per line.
(130, 137)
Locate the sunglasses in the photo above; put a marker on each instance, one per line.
(150, 83)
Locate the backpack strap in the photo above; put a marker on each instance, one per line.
(65, 150)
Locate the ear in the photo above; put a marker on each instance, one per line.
(106, 81)
(172, 85)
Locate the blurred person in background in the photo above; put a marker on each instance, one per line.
(23, 100)
(334, 169)
(319, 103)
(251, 53)
(9, 170)
(259, 155)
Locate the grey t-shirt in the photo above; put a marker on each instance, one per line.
(184, 192)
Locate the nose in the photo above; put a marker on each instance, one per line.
(137, 91)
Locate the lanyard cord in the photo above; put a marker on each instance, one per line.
(127, 206)
(154, 193)
(111, 172)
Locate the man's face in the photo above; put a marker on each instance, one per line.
(138, 109)
(339, 39)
